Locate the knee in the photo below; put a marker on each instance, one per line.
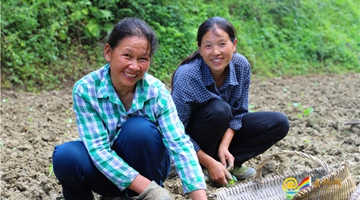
(219, 110)
(69, 157)
(282, 124)
(139, 129)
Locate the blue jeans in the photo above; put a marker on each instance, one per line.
(139, 144)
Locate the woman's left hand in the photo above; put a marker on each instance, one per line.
(226, 158)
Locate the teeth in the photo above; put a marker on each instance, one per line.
(216, 60)
(129, 75)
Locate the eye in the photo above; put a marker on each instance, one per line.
(222, 44)
(207, 46)
(144, 59)
(127, 55)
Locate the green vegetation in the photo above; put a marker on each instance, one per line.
(49, 44)
(304, 112)
(51, 170)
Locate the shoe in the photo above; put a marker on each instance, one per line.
(243, 172)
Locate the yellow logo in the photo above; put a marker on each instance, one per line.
(290, 184)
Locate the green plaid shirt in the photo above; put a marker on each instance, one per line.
(100, 114)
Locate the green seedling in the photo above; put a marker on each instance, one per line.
(251, 108)
(31, 109)
(307, 111)
(307, 141)
(4, 100)
(67, 112)
(231, 181)
(304, 112)
(51, 170)
(70, 120)
(2, 145)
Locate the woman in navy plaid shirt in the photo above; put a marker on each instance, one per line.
(210, 89)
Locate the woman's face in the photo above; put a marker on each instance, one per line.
(129, 61)
(217, 50)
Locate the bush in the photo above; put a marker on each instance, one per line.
(47, 44)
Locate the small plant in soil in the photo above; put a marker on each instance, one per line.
(304, 112)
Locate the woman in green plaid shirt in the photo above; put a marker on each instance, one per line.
(128, 126)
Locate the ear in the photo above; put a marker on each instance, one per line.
(107, 52)
(235, 42)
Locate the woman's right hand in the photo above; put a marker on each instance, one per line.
(218, 173)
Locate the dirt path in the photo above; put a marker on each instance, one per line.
(317, 106)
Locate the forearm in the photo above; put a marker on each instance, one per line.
(205, 159)
(139, 184)
(198, 195)
(227, 138)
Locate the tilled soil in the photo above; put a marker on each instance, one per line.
(317, 107)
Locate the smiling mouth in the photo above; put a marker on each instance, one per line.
(216, 60)
(130, 75)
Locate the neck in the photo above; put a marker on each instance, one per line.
(220, 78)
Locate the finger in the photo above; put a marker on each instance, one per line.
(228, 175)
(230, 165)
(223, 161)
(223, 181)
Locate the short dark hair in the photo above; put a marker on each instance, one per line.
(128, 27)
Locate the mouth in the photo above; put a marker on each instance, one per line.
(130, 75)
(216, 60)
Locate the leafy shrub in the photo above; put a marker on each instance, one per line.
(47, 44)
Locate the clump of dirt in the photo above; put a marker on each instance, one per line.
(317, 107)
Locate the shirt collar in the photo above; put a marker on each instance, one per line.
(232, 72)
(107, 90)
(208, 79)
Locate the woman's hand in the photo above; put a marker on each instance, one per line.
(226, 158)
(219, 173)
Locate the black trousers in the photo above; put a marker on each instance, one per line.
(259, 131)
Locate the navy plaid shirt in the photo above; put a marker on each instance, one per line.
(193, 84)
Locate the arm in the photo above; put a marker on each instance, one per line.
(182, 97)
(179, 145)
(139, 184)
(198, 195)
(239, 98)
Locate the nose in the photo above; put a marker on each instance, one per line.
(216, 50)
(134, 65)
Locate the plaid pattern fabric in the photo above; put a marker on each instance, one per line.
(193, 85)
(100, 115)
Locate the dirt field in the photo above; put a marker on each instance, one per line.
(317, 107)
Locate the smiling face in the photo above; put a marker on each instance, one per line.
(129, 61)
(217, 50)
